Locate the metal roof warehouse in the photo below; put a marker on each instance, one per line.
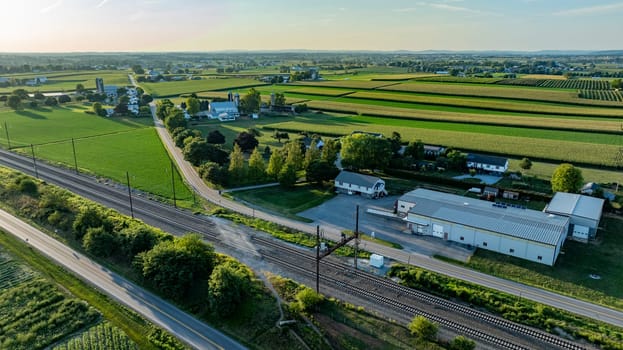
(507, 229)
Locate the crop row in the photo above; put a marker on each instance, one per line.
(490, 104)
(570, 124)
(497, 91)
(466, 137)
(522, 82)
(102, 336)
(12, 274)
(36, 314)
(604, 95)
(579, 84)
(452, 79)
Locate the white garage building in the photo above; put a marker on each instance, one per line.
(523, 233)
(355, 183)
(584, 213)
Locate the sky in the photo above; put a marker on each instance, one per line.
(208, 25)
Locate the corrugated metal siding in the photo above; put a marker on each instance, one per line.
(520, 223)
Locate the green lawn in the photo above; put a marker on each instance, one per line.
(106, 147)
(570, 275)
(137, 151)
(287, 202)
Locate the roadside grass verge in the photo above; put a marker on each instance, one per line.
(287, 202)
(132, 324)
(570, 275)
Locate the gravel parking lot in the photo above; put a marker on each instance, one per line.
(339, 212)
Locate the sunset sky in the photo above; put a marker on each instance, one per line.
(206, 25)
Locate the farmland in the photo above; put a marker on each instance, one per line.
(67, 81)
(175, 88)
(102, 336)
(104, 146)
(35, 312)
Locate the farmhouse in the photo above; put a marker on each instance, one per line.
(489, 164)
(355, 183)
(433, 152)
(511, 230)
(223, 111)
(584, 213)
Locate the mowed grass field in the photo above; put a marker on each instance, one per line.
(106, 147)
(67, 81)
(175, 88)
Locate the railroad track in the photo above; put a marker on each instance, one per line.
(389, 285)
(182, 221)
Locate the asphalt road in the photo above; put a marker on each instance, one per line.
(184, 326)
(579, 307)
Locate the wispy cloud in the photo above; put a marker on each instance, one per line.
(51, 6)
(405, 9)
(590, 10)
(102, 3)
(445, 5)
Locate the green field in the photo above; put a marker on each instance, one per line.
(67, 81)
(174, 88)
(520, 142)
(35, 313)
(107, 147)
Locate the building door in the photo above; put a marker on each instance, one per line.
(437, 231)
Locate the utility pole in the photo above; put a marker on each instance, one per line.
(340, 244)
(73, 147)
(127, 176)
(173, 184)
(34, 160)
(8, 140)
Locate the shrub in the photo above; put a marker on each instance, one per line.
(308, 299)
(423, 328)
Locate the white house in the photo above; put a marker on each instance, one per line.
(512, 230)
(355, 183)
(489, 164)
(584, 213)
(223, 111)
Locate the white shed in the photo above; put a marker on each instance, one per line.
(581, 210)
(355, 183)
(377, 261)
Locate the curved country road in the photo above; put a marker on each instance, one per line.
(160, 312)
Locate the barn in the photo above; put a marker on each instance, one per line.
(512, 230)
(584, 213)
(355, 183)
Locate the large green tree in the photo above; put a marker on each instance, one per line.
(98, 241)
(14, 102)
(294, 155)
(250, 103)
(192, 105)
(362, 151)
(567, 178)
(311, 154)
(319, 171)
(329, 150)
(175, 119)
(163, 107)
(229, 283)
(237, 168)
(173, 266)
(257, 167)
(275, 163)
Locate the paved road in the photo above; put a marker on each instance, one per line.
(520, 290)
(184, 326)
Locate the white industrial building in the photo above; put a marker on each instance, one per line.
(355, 183)
(511, 230)
(584, 213)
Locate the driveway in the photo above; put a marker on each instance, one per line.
(486, 179)
(339, 213)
